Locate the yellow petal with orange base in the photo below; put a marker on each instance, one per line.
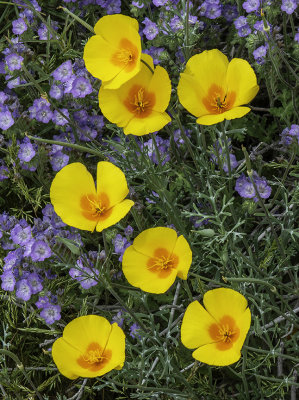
(211, 119)
(143, 126)
(190, 95)
(116, 213)
(241, 79)
(208, 67)
(195, 326)
(224, 301)
(153, 238)
(69, 185)
(209, 354)
(160, 84)
(81, 334)
(136, 271)
(104, 53)
(111, 181)
(184, 253)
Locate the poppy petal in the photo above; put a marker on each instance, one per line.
(70, 184)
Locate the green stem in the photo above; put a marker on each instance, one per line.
(284, 177)
(22, 369)
(148, 66)
(66, 144)
(83, 23)
(272, 353)
(252, 280)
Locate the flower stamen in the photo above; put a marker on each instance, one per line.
(140, 102)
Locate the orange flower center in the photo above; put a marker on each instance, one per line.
(95, 207)
(126, 55)
(140, 102)
(163, 262)
(94, 358)
(217, 101)
(225, 333)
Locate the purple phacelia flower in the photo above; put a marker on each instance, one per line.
(35, 283)
(176, 23)
(134, 329)
(56, 91)
(6, 120)
(43, 301)
(44, 114)
(213, 11)
(230, 12)
(244, 31)
(4, 172)
(81, 87)
(40, 251)
(59, 119)
(290, 135)
(26, 151)
(259, 54)
(151, 30)
(23, 290)
(8, 281)
(59, 160)
(19, 26)
(251, 5)
(21, 235)
(118, 318)
(63, 72)
(119, 244)
(14, 61)
(240, 22)
(51, 313)
(289, 6)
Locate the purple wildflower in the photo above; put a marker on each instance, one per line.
(59, 119)
(51, 313)
(251, 5)
(213, 11)
(81, 87)
(56, 91)
(118, 318)
(6, 120)
(176, 24)
(289, 6)
(43, 301)
(26, 151)
(19, 26)
(4, 172)
(35, 283)
(44, 114)
(8, 281)
(21, 235)
(244, 31)
(259, 54)
(40, 251)
(63, 72)
(151, 30)
(230, 12)
(59, 160)
(23, 290)
(14, 61)
(134, 329)
(240, 22)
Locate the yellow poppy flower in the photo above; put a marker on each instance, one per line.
(139, 105)
(155, 258)
(79, 204)
(213, 89)
(90, 346)
(113, 54)
(217, 331)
